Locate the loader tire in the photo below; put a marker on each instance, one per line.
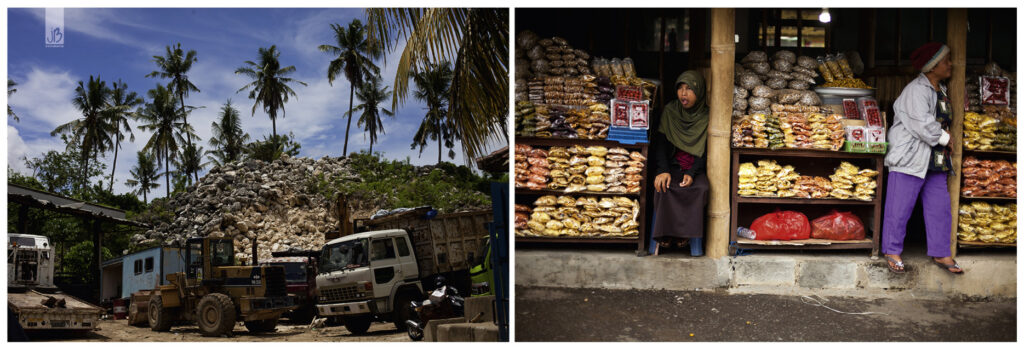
(261, 326)
(215, 315)
(160, 318)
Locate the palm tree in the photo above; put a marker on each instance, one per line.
(269, 84)
(123, 105)
(354, 55)
(432, 87)
(11, 90)
(175, 65)
(190, 162)
(144, 176)
(372, 97)
(92, 131)
(228, 138)
(161, 116)
(476, 41)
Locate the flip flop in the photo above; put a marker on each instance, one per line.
(896, 266)
(947, 267)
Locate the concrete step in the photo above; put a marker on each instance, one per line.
(789, 273)
(465, 332)
(477, 305)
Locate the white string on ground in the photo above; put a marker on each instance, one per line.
(821, 303)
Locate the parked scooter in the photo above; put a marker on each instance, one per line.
(444, 302)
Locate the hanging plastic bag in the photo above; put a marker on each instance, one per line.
(782, 225)
(838, 226)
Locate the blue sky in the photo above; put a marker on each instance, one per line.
(120, 43)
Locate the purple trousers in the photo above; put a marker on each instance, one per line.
(901, 195)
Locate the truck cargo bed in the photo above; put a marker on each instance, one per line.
(33, 315)
(445, 243)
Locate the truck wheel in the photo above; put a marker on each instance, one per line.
(359, 324)
(160, 318)
(215, 315)
(261, 326)
(401, 311)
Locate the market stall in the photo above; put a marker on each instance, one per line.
(581, 145)
(987, 214)
(806, 152)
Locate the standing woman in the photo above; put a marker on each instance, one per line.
(919, 161)
(680, 185)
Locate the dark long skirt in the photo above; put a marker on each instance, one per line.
(679, 212)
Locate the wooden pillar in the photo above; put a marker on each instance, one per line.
(723, 57)
(869, 31)
(22, 219)
(97, 244)
(899, 36)
(957, 36)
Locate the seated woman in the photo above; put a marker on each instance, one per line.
(680, 185)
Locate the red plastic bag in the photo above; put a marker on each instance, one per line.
(782, 225)
(838, 226)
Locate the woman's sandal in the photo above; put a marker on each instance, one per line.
(947, 267)
(896, 266)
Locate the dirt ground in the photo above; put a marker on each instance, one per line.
(119, 330)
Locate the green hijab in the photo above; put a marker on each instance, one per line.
(687, 128)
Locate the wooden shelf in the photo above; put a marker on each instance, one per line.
(1001, 199)
(796, 152)
(984, 244)
(580, 239)
(524, 191)
(808, 243)
(546, 141)
(769, 200)
(745, 206)
(1007, 154)
(640, 196)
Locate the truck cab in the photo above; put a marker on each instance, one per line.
(29, 262)
(368, 274)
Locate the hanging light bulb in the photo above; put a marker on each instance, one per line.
(825, 17)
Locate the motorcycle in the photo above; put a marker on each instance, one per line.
(444, 302)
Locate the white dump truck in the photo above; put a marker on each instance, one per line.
(31, 295)
(374, 275)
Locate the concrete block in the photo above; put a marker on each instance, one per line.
(477, 305)
(879, 277)
(764, 271)
(485, 332)
(821, 273)
(430, 332)
(456, 332)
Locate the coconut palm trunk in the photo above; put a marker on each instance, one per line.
(167, 172)
(351, 96)
(114, 168)
(184, 117)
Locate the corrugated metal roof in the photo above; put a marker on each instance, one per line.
(45, 200)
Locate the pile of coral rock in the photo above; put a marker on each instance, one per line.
(270, 204)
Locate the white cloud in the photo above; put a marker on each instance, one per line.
(43, 100)
(18, 149)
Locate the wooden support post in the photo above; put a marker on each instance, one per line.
(22, 219)
(723, 57)
(957, 36)
(97, 244)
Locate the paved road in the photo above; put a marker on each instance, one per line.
(557, 314)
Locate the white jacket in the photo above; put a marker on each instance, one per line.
(914, 129)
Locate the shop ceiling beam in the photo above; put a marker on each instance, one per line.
(723, 57)
(956, 35)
